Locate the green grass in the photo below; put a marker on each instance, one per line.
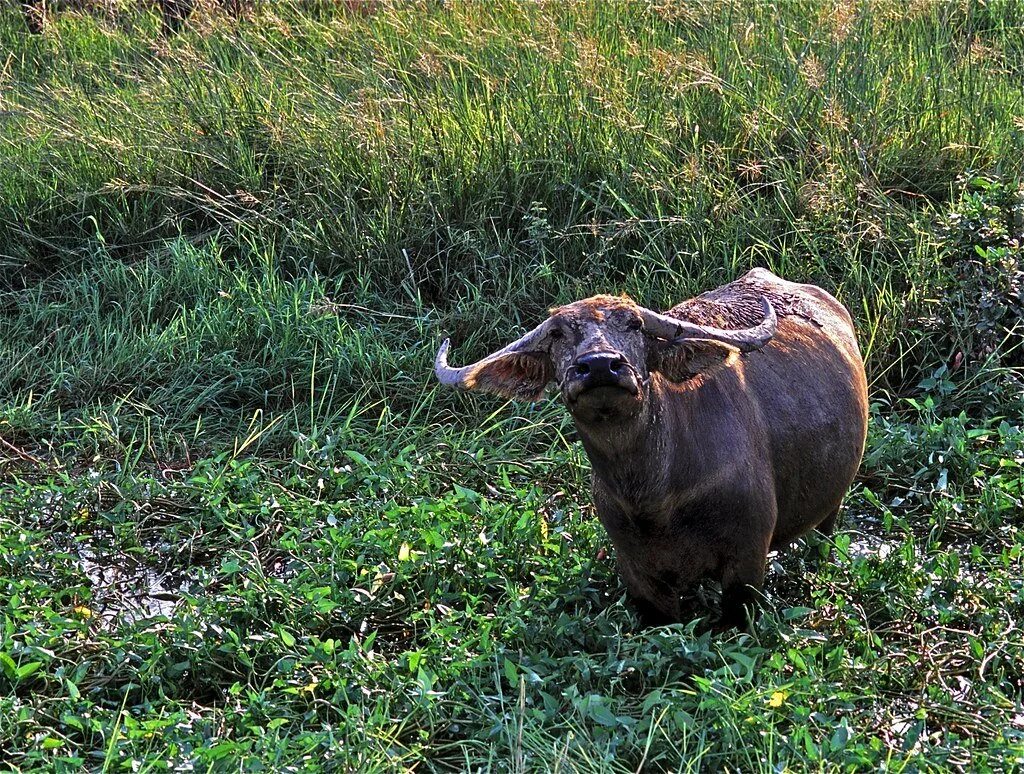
(240, 526)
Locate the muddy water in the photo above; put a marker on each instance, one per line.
(128, 590)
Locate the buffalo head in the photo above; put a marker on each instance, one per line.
(600, 353)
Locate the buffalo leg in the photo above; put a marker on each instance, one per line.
(656, 603)
(828, 526)
(740, 584)
(649, 613)
(738, 607)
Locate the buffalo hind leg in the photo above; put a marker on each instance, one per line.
(828, 526)
(821, 549)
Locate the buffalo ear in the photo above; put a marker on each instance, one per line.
(681, 360)
(516, 375)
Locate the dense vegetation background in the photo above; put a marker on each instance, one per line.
(239, 522)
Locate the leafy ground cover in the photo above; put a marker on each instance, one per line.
(241, 528)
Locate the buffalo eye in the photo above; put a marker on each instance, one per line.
(634, 325)
(557, 333)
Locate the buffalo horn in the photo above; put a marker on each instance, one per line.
(462, 377)
(744, 339)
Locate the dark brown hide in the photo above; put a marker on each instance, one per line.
(719, 456)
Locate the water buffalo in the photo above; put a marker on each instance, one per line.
(718, 431)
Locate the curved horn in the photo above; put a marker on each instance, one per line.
(464, 377)
(744, 339)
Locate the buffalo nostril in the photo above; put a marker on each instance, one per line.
(599, 365)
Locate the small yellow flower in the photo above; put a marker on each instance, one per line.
(404, 553)
(778, 699)
(83, 612)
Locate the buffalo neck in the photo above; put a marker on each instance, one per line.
(632, 459)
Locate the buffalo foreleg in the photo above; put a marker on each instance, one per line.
(655, 612)
(742, 581)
